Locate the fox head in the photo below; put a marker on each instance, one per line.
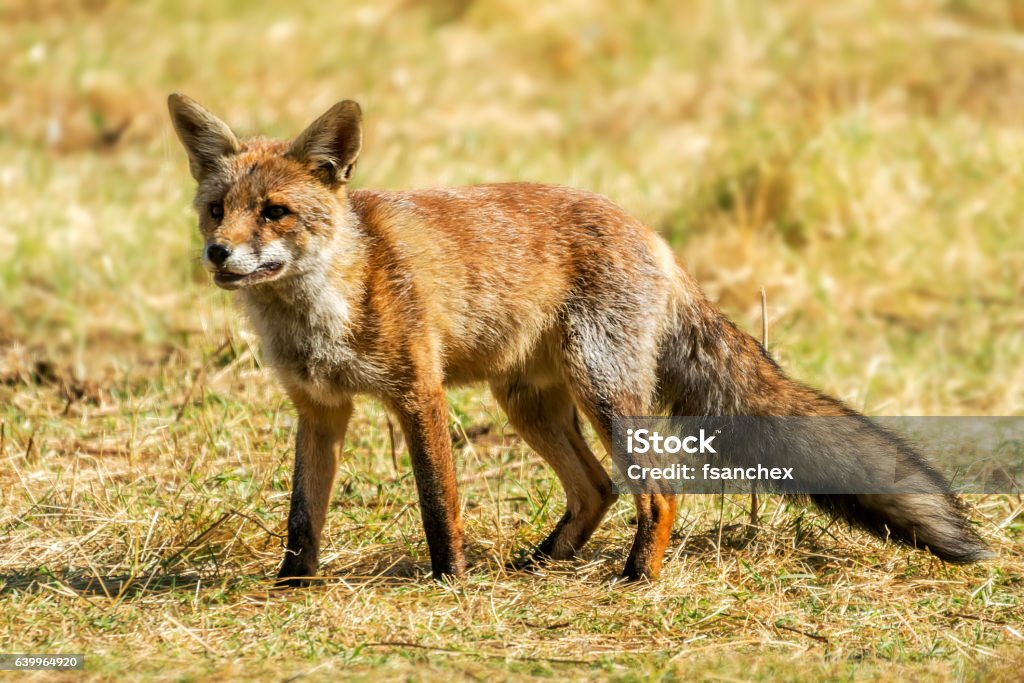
(268, 209)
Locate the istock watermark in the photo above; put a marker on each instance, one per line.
(818, 455)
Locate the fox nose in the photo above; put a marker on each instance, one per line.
(217, 254)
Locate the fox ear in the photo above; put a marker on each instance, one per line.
(206, 138)
(332, 142)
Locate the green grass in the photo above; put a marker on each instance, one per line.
(860, 161)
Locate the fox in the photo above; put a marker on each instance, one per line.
(565, 305)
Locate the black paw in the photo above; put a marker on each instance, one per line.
(292, 582)
(637, 574)
(527, 563)
(295, 574)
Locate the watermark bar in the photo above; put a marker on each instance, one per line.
(41, 662)
(818, 455)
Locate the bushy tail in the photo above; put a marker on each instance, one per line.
(709, 367)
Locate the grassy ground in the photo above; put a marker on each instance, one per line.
(859, 160)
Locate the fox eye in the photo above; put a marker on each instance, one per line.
(216, 210)
(275, 212)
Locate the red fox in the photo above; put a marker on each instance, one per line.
(558, 299)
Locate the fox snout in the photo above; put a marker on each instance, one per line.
(242, 265)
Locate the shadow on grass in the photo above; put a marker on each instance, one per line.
(384, 569)
(392, 567)
(85, 583)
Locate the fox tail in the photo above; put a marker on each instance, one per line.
(708, 367)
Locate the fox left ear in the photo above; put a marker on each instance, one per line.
(332, 142)
(206, 138)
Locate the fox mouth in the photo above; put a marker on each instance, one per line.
(264, 272)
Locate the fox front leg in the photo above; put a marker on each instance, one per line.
(424, 420)
(318, 444)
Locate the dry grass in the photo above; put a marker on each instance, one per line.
(861, 160)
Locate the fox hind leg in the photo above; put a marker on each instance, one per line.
(546, 420)
(655, 512)
(615, 375)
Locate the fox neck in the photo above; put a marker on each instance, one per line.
(307, 320)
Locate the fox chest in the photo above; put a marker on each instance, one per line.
(309, 349)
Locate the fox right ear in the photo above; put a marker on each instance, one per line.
(332, 142)
(206, 138)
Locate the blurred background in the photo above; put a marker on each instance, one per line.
(859, 160)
